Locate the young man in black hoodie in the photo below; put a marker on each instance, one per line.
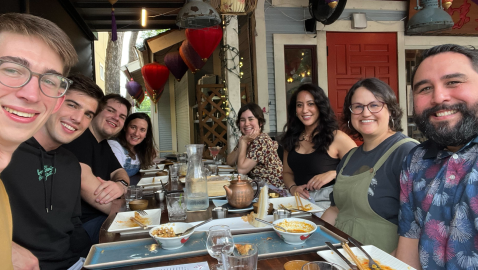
(43, 181)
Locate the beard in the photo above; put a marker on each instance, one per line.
(442, 133)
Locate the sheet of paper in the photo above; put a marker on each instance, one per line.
(189, 266)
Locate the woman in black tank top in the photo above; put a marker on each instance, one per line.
(313, 144)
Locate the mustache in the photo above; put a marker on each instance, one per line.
(459, 107)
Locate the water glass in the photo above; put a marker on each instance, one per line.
(130, 195)
(139, 192)
(176, 206)
(321, 266)
(182, 158)
(212, 169)
(174, 170)
(238, 261)
(219, 241)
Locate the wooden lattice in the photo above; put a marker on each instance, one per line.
(212, 116)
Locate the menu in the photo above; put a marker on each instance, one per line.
(189, 266)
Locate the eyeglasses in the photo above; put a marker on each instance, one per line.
(373, 107)
(16, 75)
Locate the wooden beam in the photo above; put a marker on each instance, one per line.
(131, 27)
(129, 18)
(121, 4)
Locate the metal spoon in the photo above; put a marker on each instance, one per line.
(273, 225)
(193, 227)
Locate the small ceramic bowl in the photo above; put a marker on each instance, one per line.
(160, 166)
(294, 238)
(172, 242)
(138, 205)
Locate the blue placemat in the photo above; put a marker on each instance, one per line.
(124, 253)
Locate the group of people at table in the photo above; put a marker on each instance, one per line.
(67, 151)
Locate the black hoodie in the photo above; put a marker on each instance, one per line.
(46, 213)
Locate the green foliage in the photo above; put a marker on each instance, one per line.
(147, 34)
(145, 106)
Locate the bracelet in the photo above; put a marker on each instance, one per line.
(292, 187)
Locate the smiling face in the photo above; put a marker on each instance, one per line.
(24, 110)
(248, 123)
(136, 132)
(69, 122)
(445, 98)
(110, 120)
(369, 124)
(306, 109)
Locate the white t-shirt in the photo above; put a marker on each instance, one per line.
(122, 155)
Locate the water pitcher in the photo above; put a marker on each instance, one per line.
(196, 182)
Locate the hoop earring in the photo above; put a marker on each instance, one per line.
(393, 123)
(348, 124)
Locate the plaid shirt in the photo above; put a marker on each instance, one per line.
(439, 205)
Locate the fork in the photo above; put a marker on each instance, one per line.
(142, 212)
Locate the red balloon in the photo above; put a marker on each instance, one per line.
(205, 40)
(190, 56)
(140, 99)
(155, 77)
(154, 95)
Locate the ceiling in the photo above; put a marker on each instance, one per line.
(96, 14)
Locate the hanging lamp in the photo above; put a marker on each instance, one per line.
(197, 14)
(431, 18)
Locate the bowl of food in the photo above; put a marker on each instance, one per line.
(298, 230)
(165, 234)
(138, 205)
(160, 166)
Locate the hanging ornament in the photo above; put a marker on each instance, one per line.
(114, 35)
(140, 99)
(332, 3)
(205, 40)
(175, 64)
(155, 77)
(134, 88)
(447, 3)
(190, 57)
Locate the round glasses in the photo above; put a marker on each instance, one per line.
(16, 75)
(373, 107)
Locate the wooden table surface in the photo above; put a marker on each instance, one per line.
(269, 263)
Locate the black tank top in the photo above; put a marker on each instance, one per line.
(306, 166)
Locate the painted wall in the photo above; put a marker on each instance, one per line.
(100, 57)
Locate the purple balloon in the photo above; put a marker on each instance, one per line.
(134, 88)
(175, 64)
(191, 57)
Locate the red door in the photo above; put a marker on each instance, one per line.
(353, 56)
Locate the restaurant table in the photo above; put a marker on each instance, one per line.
(268, 263)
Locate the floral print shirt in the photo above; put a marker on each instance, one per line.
(439, 205)
(263, 150)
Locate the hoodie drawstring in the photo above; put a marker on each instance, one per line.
(50, 207)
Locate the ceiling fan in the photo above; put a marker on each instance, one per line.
(324, 12)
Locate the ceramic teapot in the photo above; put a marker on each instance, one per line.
(240, 193)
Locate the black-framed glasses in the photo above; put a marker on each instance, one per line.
(373, 107)
(16, 75)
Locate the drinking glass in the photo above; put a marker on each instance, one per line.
(176, 206)
(219, 241)
(213, 169)
(238, 261)
(130, 195)
(174, 170)
(214, 152)
(139, 192)
(321, 266)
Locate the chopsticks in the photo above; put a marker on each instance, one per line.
(139, 223)
(298, 201)
(347, 249)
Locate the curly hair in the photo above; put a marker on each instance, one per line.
(255, 110)
(144, 150)
(327, 123)
(382, 92)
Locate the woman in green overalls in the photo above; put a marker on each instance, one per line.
(366, 196)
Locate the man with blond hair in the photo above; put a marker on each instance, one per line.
(35, 58)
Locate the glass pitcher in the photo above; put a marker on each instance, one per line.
(196, 182)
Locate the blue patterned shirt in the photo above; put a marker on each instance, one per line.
(439, 205)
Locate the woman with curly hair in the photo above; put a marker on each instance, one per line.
(313, 144)
(134, 146)
(366, 196)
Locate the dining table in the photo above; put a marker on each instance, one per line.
(266, 263)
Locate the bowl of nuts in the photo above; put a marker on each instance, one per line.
(166, 235)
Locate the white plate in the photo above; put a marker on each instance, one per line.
(119, 224)
(290, 201)
(379, 256)
(208, 161)
(148, 181)
(225, 168)
(223, 202)
(237, 225)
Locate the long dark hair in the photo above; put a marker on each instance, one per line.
(146, 149)
(327, 122)
(381, 91)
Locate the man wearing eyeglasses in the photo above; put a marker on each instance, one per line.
(47, 191)
(35, 55)
(438, 219)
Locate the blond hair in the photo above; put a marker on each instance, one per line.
(49, 32)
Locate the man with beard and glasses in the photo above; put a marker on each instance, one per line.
(438, 219)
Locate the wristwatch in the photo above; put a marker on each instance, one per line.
(122, 182)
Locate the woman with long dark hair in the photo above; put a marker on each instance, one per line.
(134, 146)
(256, 153)
(313, 144)
(366, 196)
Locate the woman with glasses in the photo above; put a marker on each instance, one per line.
(365, 200)
(313, 145)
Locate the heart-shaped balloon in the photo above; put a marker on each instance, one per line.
(204, 40)
(134, 88)
(155, 77)
(154, 95)
(175, 64)
(191, 57)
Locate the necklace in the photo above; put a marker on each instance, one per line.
(305, 137)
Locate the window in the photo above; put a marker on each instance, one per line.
(102, 72)
(300, 67)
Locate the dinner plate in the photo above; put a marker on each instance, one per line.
(153, 168)
(153, 181)
(290, 202)
(379, 256)
(225, 203)
(236, 225)
(225, 168)
(122, 224)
